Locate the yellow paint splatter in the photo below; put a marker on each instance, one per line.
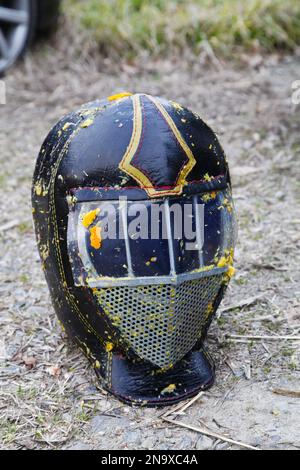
(61, 326)
(177, 106)
(87, 123)
(208, 178)
(89, 218)
(44, 252)
(152, 260)
(227, 260)
(39, 189)
(222, 262)
(227, 205)
(209, 311)
(96, 239)
(87, 112)
(109, 347)
(119, 96)
(66, 126)
(169, 389)
(209, 197)
(231, 272)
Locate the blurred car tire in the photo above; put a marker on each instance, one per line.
(20, 22)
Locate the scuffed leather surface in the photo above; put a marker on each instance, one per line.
(73, 157)
(139, 383)
(95, 152)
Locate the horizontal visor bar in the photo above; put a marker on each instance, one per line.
(168, 241)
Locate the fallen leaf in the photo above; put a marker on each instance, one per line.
(55, 371)
(30, 362)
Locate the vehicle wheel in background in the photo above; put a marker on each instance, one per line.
(17, 26)
(20, 21)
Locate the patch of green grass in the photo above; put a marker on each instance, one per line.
(293, 365)
(38, 435)
(287, 352)
(24, 278)
(127, 27)
(83, 417)
(3, 180)
(241, 281)
(26, 394)
(25, 227)
(267, 370)
(221, 322)
(9, 432)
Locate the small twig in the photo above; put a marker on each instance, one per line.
(222, 400)
(210, 434)
(243, 303)
(268, 359)
(9, 225)
(234, 370)
(259, 338)
(51, 443)
(173, 410)
(266, 349)
(96, 398)
(110, 415)
(221, 425)
(190, 403)
(180, 408)
(270, 266)
(286, 393)
(242, 341)
(21, 349)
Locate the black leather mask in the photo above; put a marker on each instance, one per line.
(138, 305)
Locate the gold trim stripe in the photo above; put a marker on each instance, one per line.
(126, 166)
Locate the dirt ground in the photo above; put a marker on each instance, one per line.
(48, 394)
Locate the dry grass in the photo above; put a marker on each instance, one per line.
(130, 27)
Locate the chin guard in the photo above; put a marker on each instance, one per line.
(136, 291)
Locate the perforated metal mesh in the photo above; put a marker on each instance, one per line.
(161, 322)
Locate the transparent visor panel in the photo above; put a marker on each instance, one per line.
(124, 242)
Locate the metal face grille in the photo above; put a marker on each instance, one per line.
(161, 323)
